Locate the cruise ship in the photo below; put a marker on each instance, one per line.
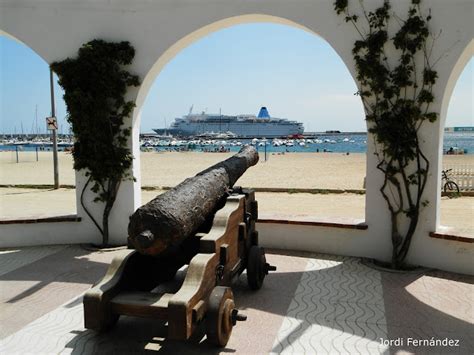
(243, 126)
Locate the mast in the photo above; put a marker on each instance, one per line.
(55, 141)
(36, 121)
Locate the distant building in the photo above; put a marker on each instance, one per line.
(459, 129)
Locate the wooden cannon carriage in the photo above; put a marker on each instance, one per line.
(220, 250)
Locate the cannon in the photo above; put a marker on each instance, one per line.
(174, 216)
(185, 248)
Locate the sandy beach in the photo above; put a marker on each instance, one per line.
(292, 170)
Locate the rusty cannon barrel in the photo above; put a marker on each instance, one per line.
(179, 213)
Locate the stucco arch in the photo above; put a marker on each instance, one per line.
(30, 46)
(456, 71)
(55, 29)
(193, 37)
(458, 66)
(200, 33)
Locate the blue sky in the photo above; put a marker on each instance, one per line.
(297, 75)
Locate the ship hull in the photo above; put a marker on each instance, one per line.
(240, 129)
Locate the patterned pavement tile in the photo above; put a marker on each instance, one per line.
(11, 259)
(337, 308)
(35, 288)
(429, 305)
(48, 334)
(62, 330)
(312, 304)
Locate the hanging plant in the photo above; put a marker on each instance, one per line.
(397, 93)
(95, 84)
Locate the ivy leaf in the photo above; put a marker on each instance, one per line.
(340, 5)
(95, 84)
(429, 77)
(431, 116)
(425, 96)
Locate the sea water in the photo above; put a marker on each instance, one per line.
(337, 143)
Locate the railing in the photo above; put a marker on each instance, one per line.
(463, 175)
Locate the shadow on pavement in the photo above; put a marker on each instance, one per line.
(320, 303)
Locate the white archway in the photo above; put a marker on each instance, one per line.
(327, 177)
(466, 55)
(157, 29)
(453, 77)
(456, 71)
(28, 166)
(13, 38)
(195, 36)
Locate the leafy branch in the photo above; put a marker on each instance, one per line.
(95, 85)
(397, 95)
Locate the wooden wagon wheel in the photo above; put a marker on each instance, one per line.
(257, 267)
(219, 316)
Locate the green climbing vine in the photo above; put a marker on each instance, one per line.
(95, 85)
(395, 82)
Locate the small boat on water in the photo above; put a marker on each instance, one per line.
(455, 151)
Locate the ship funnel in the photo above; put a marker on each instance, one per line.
(263, 113)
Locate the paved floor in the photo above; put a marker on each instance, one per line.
(313, 304)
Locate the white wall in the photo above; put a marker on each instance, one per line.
(158, 30)
(430, 252)
(30, 234)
